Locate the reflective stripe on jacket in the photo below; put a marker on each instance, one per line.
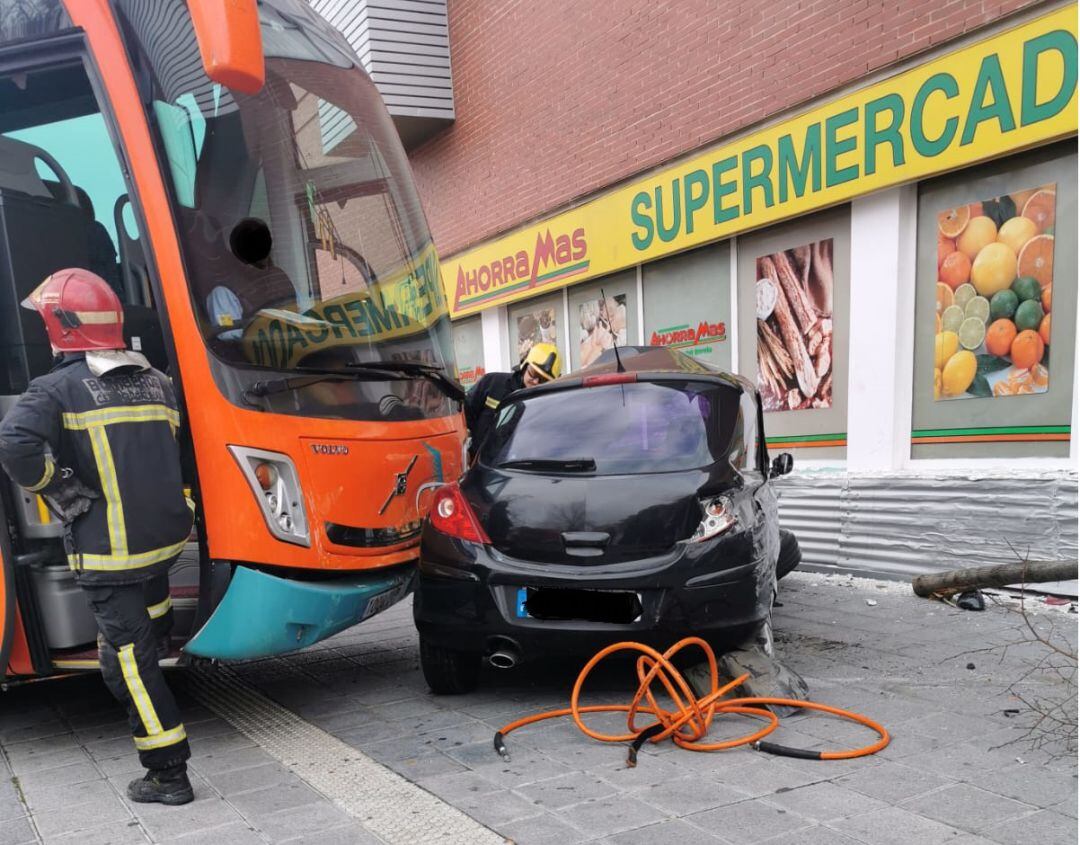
(118, 433)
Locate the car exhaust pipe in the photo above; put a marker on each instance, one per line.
(504, 653)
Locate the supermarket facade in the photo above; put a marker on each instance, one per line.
(893, 260)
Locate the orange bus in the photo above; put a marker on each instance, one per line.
(233, 173)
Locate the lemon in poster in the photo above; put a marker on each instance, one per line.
(993, 269)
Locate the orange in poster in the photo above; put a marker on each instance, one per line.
(1021, 197)
(944, 297)
(994, 269)
(1046, 298)
(944, 247)
(952, 222)
(1037, 259)
(1017, 231)
(955, 269)
(1040, 209)
(1000, 336)
(1044, 329)
(979, 232)
(1027, 349)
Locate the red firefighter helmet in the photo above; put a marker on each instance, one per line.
(81, 312)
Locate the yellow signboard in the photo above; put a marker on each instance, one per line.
(1006, 93)
(403, 306)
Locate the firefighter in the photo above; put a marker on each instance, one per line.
(96, 436)
(540, 364)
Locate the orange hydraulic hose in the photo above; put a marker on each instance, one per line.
(688, 722)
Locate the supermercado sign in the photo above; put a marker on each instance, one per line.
(1006, 93)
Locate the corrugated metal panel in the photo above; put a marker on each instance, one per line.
(405, 46)
(902, 525)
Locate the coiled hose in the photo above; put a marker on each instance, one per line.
(687, 723)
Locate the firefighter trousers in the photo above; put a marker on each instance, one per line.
(127, 652)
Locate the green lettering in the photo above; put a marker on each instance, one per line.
(296, 338)
(930, 147)
(990, 77)
(836, 147)
(668, 233)
(695, 200)
(791, 168)
(753, 180)
(722, 189)
(639, 205)
(337, 318)
(874, 136)
(1063, 43)
(378, 320)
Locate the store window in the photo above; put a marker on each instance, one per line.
(995, 300)
(602, 314)
(535, 321)
(469, 350)
(793, 283)
(687, 303)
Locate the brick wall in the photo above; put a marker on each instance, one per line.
(558, 98)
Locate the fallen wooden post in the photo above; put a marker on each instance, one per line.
(1021, 572)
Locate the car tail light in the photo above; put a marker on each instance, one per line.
(451, 515)
(274, 481)
(718, 518)
(608, 378)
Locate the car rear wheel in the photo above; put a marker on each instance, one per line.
(790, 554)
(449, 672)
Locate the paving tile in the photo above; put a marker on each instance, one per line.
(819, 835)
(564, 790)
(1029, 783)
(34, 763)
(17, 832)
(241, 758)
(673, 831)
(301, 821)
(285, 796)
(1044, 826)
(544, 829)
(457, 784)
(498, 808)
(234, 833)
(525, 767)
(426, 765)
(895, 826)
(609, 816)
(683, 796)
(968, 807)
(892, 782)
(163, 823)
(61, 776)
(349, 834)
(822, 802)
(75, 818)
(256, 777)
(748, 822)
(44, 797)
(761, 775)
(129, 833)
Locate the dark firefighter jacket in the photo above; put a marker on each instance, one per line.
(117, 432)
(483, 400)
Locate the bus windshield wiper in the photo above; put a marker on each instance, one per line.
(413, 369)
(553, 464)
(309, 376)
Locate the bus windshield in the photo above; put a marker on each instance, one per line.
(303, 236)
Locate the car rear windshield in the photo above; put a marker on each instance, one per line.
(638, 427)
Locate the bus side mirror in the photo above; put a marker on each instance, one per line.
(230, 42)
(782, 464)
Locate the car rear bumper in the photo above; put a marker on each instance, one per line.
(468, 596)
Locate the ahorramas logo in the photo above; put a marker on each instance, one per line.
(553, 257)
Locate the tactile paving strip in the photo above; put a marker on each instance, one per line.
(386, 804)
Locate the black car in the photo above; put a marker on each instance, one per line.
(630, 500)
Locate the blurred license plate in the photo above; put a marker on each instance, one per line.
(553, 603)
(380, 602)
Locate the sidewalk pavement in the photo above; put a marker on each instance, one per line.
(958, 769)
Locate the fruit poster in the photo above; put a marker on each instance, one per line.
(794, 300)
(994, 291)
(603, 324)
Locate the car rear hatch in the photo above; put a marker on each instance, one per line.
(606, 474)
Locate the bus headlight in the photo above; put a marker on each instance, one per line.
(276, 485)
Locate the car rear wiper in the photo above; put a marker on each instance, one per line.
(554, 464)
(414, 369)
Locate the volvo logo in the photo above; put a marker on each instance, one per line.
(329, 449)
(401, 484)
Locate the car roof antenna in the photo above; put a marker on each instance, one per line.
(614, 337)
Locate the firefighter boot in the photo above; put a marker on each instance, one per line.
(164, 786)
